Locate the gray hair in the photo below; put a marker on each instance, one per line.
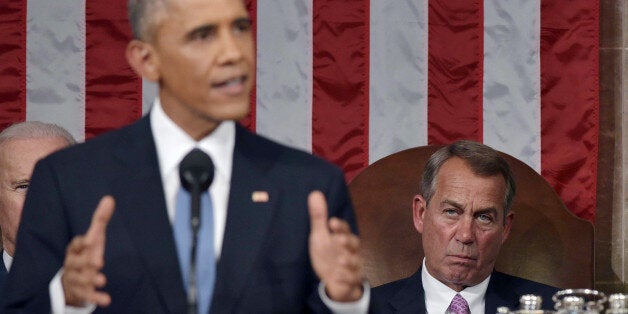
(483, 160)
(142, 16)
(35, 129)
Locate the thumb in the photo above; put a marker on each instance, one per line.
(318, 212)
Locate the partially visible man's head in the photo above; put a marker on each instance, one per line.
(464, 213)
(21, 146)
(144, 15)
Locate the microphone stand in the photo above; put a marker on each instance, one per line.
(196, 223)
(196, 172)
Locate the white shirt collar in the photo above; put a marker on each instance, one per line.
(172, 144)
(7, 259)
(438, 296)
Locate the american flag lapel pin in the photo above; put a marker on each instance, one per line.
(259, 196)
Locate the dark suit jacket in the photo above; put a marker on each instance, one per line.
(264, 265)
(3, 275)
(407, 295)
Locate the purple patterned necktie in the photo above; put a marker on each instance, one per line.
(459, 305)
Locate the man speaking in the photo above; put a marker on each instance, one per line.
(105, 222)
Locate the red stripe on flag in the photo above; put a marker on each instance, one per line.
(111, 87)
(12, 62)
(570, 101)
(249, 121)
(455, 70)
(340, 100)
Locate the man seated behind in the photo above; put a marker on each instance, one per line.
(21, 146)
(464, 217)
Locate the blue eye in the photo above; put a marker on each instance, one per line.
(485, 217)
(22, 187)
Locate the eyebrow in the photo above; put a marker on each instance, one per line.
(451, 202)
(491, 210)
(455, 204)
(208, 28)
(241, 20)
(20, 181)
(201, 29)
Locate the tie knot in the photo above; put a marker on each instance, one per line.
(459, 305)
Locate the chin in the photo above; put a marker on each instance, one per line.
(233, 111)
(240, 114)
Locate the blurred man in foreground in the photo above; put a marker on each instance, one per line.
(266, 202)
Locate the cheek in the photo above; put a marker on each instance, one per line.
(490, 244)
(14, 204)
(185, 65)
(250, 57)
(439, 237)
(246, 45)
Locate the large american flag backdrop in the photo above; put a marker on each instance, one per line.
(349, 80)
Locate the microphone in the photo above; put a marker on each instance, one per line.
(196, 172)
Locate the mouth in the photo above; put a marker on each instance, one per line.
(231, 87)
(463, 258)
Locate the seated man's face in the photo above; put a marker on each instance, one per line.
(463, 227)
(17, 160)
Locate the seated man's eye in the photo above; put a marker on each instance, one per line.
(22, 187)
(485, 218)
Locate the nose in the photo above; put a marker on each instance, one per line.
(230, 48)
(464, 232)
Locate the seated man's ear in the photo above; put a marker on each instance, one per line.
(143, 59)
(508, 220)
(419, 205)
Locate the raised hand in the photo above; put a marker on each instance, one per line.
(84, 260)
(334, 252)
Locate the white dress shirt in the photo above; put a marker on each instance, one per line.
(438, 296)
(7, 259)
(172, 144)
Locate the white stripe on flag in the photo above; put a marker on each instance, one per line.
(512, 119)
(55, 64)
(284, 71)
(398, 76)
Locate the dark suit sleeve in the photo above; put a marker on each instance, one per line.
(339, 202)
(41, 242)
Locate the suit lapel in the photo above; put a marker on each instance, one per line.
(498, 294)
(411, 297)
(248, 219)
(3, 273)
(140, 198)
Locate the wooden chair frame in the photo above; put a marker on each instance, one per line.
(547, 244)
